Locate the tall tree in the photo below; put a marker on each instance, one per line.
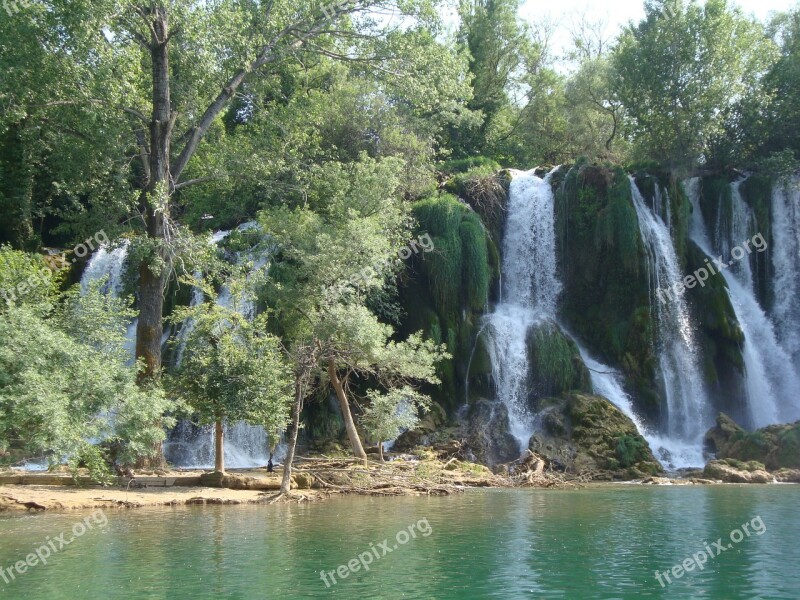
(497, 43)
(335, 251)
(164, 73)
(679, 70)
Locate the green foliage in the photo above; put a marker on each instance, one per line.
(332, 254)
(463, 165)
(26, 280)
(457, 271)
(679, 73)
(475, 257)
(232, 369)
(630, 450)
(61, 387)
(770, 121)
(391, 413)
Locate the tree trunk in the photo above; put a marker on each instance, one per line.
(352, 432)
(380, 450)
(155, 203)
(219, 447)
(286, 481)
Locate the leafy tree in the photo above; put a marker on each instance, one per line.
(770, 122)
(680, 70)
(595, 114)
(65, 384)
(391, 413)
(152, 81)
(334, 251)
(497, 43)
(232, 370)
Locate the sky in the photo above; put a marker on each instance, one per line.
(617, 13)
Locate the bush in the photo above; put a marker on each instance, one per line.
(630, 450)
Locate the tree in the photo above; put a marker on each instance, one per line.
(66, 391)
(774, 118)
(233, 370)
(595, 113)
(497, 43)
(335, 250)
(679, 71)
(151, 80)
(391, 413)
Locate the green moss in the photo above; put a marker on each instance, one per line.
(606, 300)
(757, 192)
(475, 256)
(447, 289)
(680, 215)
(630, 450)
(556, 365)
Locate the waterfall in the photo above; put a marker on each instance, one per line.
(769, 375)
(246, 445)
(530, 293)
(786, 264)
(111, 264)
(688, 416)
(105, 263)
(673, 453)
(188, 446)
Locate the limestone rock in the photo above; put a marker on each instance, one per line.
(775, 446)
(488, 436)
(583, 433)
(733, 471)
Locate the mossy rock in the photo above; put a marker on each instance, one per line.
(775, 446)
(584, 433)
(606, 299)
(555, 364)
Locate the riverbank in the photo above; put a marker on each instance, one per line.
(314, 479)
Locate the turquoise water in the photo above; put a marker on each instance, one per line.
(594, 543)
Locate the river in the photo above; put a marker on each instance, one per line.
(599, 542)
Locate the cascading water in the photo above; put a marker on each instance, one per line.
(529, 296)
(770, 376)
(673, 453)
(110, 264)
(688, 415)
(188, 446)
(246, 445)
(786, 264)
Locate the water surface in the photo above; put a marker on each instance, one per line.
(601, 542)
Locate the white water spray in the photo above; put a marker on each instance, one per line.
(530, 293)
(688, 415)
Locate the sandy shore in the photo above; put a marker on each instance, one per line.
(48, 497)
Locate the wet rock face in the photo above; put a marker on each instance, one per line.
(487, 434)
(554, 364)
(426, 433)
(583, 433)
(774, 446)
